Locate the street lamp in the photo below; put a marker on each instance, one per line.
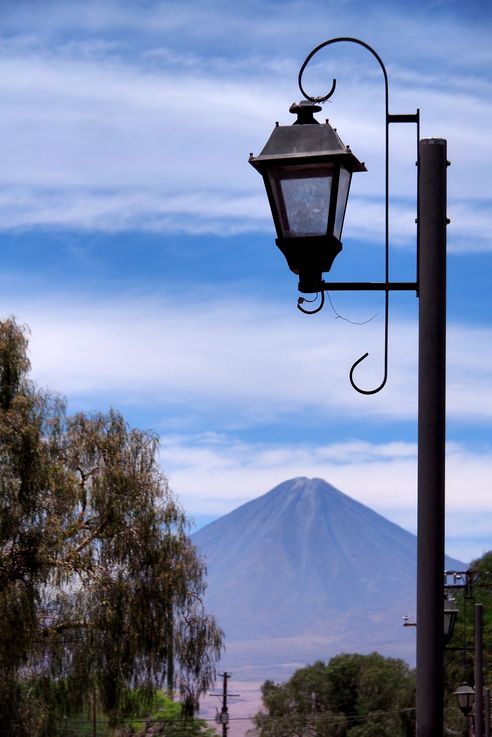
(308, 214)
(307, 171)
(465, 696)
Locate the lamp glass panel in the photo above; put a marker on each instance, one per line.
(343, 190)
(450, 614)
(447, 623)
(302, 196)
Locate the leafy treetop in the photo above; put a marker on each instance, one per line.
(100, 586)
(350, 696)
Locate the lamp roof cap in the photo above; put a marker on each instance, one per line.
(306, 141)
(305, 112)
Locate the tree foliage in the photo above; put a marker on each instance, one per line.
(351, 696)
(165, 717)
(100, 586)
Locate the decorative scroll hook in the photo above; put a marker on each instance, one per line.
(362, 358)
(308, 97)
(334, 84)
(386, 107)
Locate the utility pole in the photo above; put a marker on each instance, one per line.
(223, 716)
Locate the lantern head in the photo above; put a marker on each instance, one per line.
(465, 696)
(307, 171)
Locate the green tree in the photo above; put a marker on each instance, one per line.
(100, 586)
(165, 717)
(351, 696)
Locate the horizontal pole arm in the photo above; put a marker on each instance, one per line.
(412, 118)
(369, 286)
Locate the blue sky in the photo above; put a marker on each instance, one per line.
(137, 245)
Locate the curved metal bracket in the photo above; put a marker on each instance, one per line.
(301, 301)
(386, 97)
(308, 97)
(362, 358)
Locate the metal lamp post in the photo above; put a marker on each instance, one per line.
(478, 670)
(306, 169)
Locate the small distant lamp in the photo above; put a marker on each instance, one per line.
(450, 613)
(307, 171)
(465, 696)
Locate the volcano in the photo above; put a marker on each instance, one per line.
(305, 572)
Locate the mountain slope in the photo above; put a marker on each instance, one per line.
(307, 564)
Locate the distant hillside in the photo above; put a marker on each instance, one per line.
(304, 572)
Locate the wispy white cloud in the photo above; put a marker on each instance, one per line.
(95, 136)
(209, 351)
(143, 209)
(258, 361)
(213, 475)
(156, 18)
